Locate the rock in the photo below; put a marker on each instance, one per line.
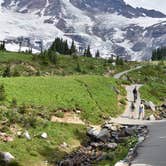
(152, 117)
(103, 134)
(6, 157)
(129, 131)
(27, 135)
(163, 106)
(122, 163)
(44, 135)
(141, 139)
(19, 133)
(8, 139)
(78, 112)
(64, 145)
(111, 145)
(108, 126)
(93, 132)
(150, 105)
(96, 144)
(99, 134)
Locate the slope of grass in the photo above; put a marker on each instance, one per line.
(154, 92)
(94, 95)
(6, 56)
(37, 150)
(28, 65)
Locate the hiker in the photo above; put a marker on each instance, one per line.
(135, 94)
(132, 108)
(141, 111)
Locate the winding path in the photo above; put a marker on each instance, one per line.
(152, 152)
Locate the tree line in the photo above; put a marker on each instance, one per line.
(60, 46)
(159, 54)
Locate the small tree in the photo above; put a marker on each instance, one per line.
(73, 49)
(97, 55)
(2, 92)
(87, 52)
(78, 68)
(119, 61)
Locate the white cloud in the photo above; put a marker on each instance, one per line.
(149, 4)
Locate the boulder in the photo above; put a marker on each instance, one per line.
(99, 134)
(6, 157)
(103, 134)
(27, 135)
(93, 132)
(150, 105)
(111, 145)
(152, 117)
(129, 131)
(64, 145)
(44, 135)
(96, 144)
(122, 163)
(141, 139)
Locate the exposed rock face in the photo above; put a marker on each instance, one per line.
(111, 26)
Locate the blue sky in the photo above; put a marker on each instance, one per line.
(150, 4)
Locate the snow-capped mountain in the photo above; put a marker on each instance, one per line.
(111, 26)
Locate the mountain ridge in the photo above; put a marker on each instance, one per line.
(112, 26)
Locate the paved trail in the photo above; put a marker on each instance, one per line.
(153, 151)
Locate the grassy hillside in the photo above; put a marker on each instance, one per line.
(38, 98)
(48, 90)
(38, 151)
(30, 65)
(94, 95)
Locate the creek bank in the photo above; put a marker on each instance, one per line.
(101, 141)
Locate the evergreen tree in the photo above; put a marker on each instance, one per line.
(85, 52)
(2, 45)
(159, 54)
(66, 48)
(119, 61)
(97, 55)
(73, 48)
(88, 52)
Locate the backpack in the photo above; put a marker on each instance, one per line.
(132, 106)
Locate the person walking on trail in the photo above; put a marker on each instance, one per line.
(135, 93)
(141, 111)
(132, 108)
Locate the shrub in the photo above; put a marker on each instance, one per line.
(16, 73)
(7, 72)
(2, 93)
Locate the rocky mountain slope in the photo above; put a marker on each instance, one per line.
(111, 26)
